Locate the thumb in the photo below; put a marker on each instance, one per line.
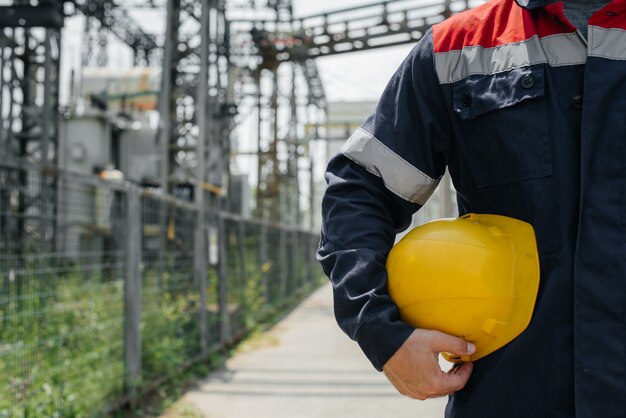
(453, 345)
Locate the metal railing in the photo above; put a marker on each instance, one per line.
(100, 296)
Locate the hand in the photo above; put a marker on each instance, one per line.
(414, 369)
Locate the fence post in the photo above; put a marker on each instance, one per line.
(132, 293)
(241, 230)
(263, 259)
(283, 264)
(200, 252)
(222, 283)
(309, 256)
(200, 255)
(294, 258)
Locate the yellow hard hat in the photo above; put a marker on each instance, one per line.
(475, 277)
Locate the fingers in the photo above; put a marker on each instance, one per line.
(455, 368)
(446, 383)
(443, 385)
(414, 369)
(453, 345)
(457, 378)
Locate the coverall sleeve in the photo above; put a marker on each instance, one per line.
(385, 172)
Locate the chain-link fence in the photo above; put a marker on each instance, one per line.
(106, 288)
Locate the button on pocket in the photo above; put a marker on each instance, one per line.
(504, 125)
(527, 81)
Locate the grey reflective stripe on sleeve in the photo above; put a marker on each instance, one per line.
(607, 43)
(555, 50)
(399, 176)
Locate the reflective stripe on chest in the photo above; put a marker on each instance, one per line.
(500, 36)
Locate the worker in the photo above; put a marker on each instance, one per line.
(524, 102)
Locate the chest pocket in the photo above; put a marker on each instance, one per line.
(504, 129)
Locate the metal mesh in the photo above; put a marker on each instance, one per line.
(235, 276)
(100, 287)
(244, 273)
(265, 266)
(170, 297)
(290, 261)
(212, 308)
(276, 284)
(61, 298)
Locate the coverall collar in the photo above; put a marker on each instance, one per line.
(534, 4)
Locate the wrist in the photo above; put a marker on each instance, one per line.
(380, 339)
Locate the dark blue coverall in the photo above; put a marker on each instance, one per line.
(530, 120)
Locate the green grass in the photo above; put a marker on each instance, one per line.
(62, 333)
(61, 352)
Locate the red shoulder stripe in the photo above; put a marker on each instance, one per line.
(498, 22)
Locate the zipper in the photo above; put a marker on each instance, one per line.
(582, 38)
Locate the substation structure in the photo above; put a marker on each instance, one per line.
(218, 60)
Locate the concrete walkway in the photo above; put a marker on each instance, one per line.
(305, 367)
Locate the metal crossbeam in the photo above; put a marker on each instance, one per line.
(46, 15)
(317, 95)
(376, 25)
(116, 19)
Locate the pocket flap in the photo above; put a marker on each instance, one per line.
(479, 94)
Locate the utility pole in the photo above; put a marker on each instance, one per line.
(167, 104)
